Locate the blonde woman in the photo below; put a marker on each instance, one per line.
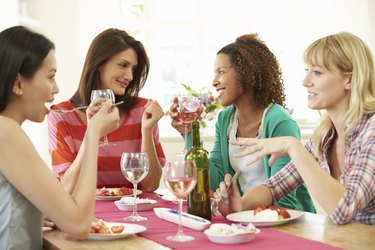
(338, 163)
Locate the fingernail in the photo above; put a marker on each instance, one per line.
(225, 196)
(227, 183)
(226, 202)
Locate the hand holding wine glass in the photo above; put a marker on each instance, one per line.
(134, 167)
(109, 95)
(180, 178)
(189, 110)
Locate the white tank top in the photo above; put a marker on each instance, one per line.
(251, 175)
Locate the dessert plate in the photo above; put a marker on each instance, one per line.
(114, 197)
(129, 229)
(248, 216)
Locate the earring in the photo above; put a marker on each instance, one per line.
(20, 93)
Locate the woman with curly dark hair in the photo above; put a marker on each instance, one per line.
(249, 83)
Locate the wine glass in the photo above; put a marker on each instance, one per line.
(134, 166)
(109, 95)
(180, 178)
(188, 109)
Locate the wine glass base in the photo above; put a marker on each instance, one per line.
(180, 238)
(134, 218)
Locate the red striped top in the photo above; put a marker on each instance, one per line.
(66, 132)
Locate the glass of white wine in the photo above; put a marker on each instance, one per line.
(135, 166)
(180, 178)
(109, 95)
(188, 109)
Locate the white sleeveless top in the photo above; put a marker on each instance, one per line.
(20, 221)
(251, 175)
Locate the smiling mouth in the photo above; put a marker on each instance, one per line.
(220, 92)
(123, 84)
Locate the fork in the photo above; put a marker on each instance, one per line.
(234, 179)
(215, 202)
(65, 111)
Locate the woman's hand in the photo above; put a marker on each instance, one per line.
(103, 115)
(151, 115)
(276, 147)
(230, 199)
(174, 114)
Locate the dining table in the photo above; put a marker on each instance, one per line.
(310, 231)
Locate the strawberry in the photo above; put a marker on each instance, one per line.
(284, 213)
(124, 191)
(94, 230)
(104, 230)
(117, 229)
(99, 227)
(258, 209)
(272, 207)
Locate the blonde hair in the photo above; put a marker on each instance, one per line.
(352, 56)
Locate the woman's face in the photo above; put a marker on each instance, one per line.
(117, 72)
(39, 90)
(225, 80)
(326, 89)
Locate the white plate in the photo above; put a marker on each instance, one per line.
(129, 229)
(248, 216)
(126, 204)
(114, 197)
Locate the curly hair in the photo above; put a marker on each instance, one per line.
(258, 70)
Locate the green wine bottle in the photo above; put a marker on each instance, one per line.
(199, 200)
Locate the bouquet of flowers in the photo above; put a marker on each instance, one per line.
(211, 105)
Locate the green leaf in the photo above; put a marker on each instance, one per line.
(203, 124)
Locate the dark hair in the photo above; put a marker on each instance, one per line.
(22, 51)
(257, 68)
(105, 45)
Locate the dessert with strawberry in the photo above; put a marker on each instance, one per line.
(270, 213)
(114, 191)
(99, 227)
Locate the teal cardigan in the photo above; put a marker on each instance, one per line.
(277, 122)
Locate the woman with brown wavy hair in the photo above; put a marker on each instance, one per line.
(116, 61)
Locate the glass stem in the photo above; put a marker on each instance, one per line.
(105, 139)
(185, 136)
(180, 232)
(135, 200)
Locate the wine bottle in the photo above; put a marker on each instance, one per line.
(199, 200)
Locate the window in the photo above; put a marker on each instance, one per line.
(183, 36)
